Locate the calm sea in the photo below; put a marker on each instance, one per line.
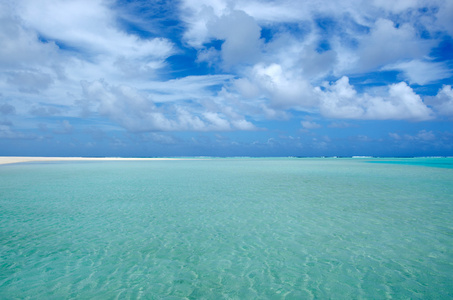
(228, 229)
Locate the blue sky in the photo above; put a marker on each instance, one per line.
(226, 78)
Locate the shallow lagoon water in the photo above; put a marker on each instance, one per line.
(227, 229)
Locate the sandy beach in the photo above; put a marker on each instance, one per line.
(19, 159)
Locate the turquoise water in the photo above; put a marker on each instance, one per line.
(438, 162)
(226, 229)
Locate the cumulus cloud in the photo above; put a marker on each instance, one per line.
(126, 106)
(288, 72)
(317, 64)
(387, 43)
(310, 125)
(426, 135)
(241, 36)
(362, 36)
(283, 87)
(394, 136)
(443, 101)
(196, 14)
(341, 100)
(261, 59)
(237, 32)
(137, 112)
(421, 136)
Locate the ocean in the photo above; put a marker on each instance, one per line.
(232, 228)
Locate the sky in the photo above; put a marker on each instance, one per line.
(152, 78)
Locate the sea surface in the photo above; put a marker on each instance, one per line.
(239, 228)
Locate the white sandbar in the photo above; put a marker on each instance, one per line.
(19, 159)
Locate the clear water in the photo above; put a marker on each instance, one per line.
(226, 229)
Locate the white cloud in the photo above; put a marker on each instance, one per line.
(196, 14)
(443, 101)
(362, 36)
(216, 120)
(90, 26)
(387, 44)
(137, 112)
(317, 65)
(241, 37)
(422, 136)
(401, 103)
(340, 125)
(426, 135)
(126, 106)
(444, 16)
(290, 66)
(49, 46)
(296, 11)
(421, 72)
(362, 39)
(81, 36)
(246, 88)
(20, 45)
(341, 100)
(363, 138)
(271, 11)
(30, 81)
(310, 125)
(211, 56)
(186, 88)
(218, 20)
(283, 87)
(242, 124)
(394, 136)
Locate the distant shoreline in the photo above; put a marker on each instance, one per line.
(21, 159)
